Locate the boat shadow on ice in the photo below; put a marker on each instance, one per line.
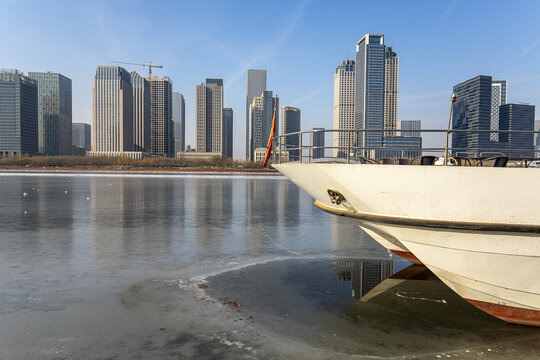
(361, 306)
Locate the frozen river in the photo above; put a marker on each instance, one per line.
(195, 267)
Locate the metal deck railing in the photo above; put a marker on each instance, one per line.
(352, 146)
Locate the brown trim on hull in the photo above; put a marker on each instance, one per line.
(439, 224)
(407, 255)
(509, 314)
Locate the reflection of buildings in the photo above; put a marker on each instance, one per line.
(289, 207)
(364, 275)
(213, 213)
(261, 212)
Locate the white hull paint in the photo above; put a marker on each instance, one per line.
(476, 228)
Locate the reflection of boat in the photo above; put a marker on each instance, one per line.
(476, 228)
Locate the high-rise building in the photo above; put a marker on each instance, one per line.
(54, 113)
(514, 117)
(290, 123)
(391, 82)
(81, 136)
(343, 106)
(472, 111)
(162, 139)
(317, 143)
(256, 84)
(179, 121)
(404, 144)
(18, 114)
(227, 133)
(141, 113)
(369, 91)
(260, 121)
(498, 98)
(112, 111)
(376, 92)
(210, 116)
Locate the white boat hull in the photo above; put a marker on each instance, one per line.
(477, 229)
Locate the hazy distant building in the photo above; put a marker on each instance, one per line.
(161, 136)
(227, 133)
(141, 113)
(261, 115)
(256, 84)
(54, 113)
(498, 98)
(317, 143)
(290, 123)
(179, 120)
(18, 114)
(517, 117)
(210, 116)
(112, 111)
(343, 106)
(81, 136)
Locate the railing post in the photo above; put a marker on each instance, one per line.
(453, 99)
(348, 146)
(300, 147)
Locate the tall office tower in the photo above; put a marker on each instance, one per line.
(391, 78)
(376, 92)
(81, 136)
(54, 113)
(414, 127)
(112, 110)
(227, 133)
(260, 122)
(161, 136)
(472, 111)
(370, 91)
(290, 123)
(210, 116)
(179, 120)
(141, 113)
(517, 117)
(256, 84)
(18, 114)
(317, 142)
(343, 106)
(498, 98)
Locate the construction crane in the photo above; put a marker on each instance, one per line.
(150, 66)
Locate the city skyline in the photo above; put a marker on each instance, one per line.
(429, 38)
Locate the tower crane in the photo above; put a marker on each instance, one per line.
(150, 66)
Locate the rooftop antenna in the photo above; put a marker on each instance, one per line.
(347, 55)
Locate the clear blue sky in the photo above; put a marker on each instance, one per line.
(440, 43)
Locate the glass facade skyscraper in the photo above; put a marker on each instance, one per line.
(376, 92)
(290, 123)
(54, 113)
(18, 114)
(472, 111)
(81, 135)
(256, 84)
(227, 133)
(517, 117)
(261, 116)
(179, 120)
